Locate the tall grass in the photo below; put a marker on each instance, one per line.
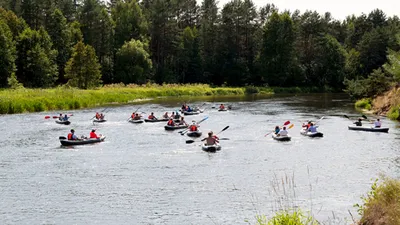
(286, 209)
(382, 203)
(64, 98)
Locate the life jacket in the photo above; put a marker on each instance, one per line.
(193, 128)
(222, 107)
(170, 123)
(93, 135)
(70, 136)
(133, 115)
(97, 116)
(151, 117)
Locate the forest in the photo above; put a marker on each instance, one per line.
(87, 43)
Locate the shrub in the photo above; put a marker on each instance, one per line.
(295, 217)
(394, 113)
(382, 204)
(364, 103)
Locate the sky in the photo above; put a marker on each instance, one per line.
(338, 8)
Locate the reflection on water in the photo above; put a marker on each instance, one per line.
(143, 174)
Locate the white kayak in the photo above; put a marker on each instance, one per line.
(370, 129)
(210, 148)
(311, 134)
(136, 121)
(281, 138)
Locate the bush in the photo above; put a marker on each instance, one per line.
(382, 204)
(364, 103)
(394, 113)
(287, 218)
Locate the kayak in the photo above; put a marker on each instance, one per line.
(311, 134)
(66, 142)
(175, 127)
(281, 138)
(135, 121)
(67, 122)
(210, 148)
(99, 121)
(191, 113)
(194, 133)
(222, 110)
(370, 129)
(159, 120)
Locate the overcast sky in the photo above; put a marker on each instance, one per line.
(338, 8)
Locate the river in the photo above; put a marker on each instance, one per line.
(143, 174)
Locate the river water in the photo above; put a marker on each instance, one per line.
(143, 174)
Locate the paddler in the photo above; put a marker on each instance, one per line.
(283, 132)
(182, 121)
(358, 123)
(194, 126)
(152, 117)
(72, 136)
(312, 128)
(171, 122)
(211, 140)
(222, 107)
(93, 134)
(165, 116)
(377, 123)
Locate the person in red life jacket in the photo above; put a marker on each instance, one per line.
(222, 107)
(72, 136)
(165, 116)
(194, 126)
(97, 115)
(211, 139)
(137, 116)
(152, 117)
(308, 124)
(93, 134)
(133, 116)
(171, 122)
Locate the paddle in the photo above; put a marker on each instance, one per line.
(182, 132)
(363, 116)
(191, 141)
(62, 138)
(286, 123)
(56, 117)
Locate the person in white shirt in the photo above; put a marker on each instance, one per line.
(377, 123)
(313, 128)
(283, 132)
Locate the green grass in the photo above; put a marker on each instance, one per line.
(63, 98)
(286, 217)
(382, 203)
(364, 103)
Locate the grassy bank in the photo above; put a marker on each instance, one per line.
(382, 203)
(37, 100)
(388, 104)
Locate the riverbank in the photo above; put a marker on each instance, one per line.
(63, 98)
(387, 104)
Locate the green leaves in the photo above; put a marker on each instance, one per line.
(7, 53)
(83, 69)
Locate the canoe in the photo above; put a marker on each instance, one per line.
(311, 134)
(281, 138)
(191, 113)
(135, 121)
(63, 122)
(370, 129)
(194, 133)
(66, 142)
(175, 127)
(210, 148)
(99, 121)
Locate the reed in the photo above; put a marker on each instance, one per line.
(65, 98)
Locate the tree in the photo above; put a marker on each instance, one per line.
(189, 57)
(16, 24)
(83, 69)
(208, 38)
(133, 63)
(392, 67)
(277, 55)
(61, 37)
(7, 53)
(130, 23)
(36, 60)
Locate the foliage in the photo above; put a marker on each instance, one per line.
(83, 69)
(382, 204)
(394, 112)
(295, 217)
(36, 58)
(133, 63)
(393, 65)
(364, 103)
(7, 53)
(13, 82)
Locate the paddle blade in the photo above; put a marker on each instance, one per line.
(226, 128)
(363, 116)
(286, 123)
(47, 117)
(62, 138)
(55, 117)
(346, 116)
(189, 141)
(291, 126)
(203, 119)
